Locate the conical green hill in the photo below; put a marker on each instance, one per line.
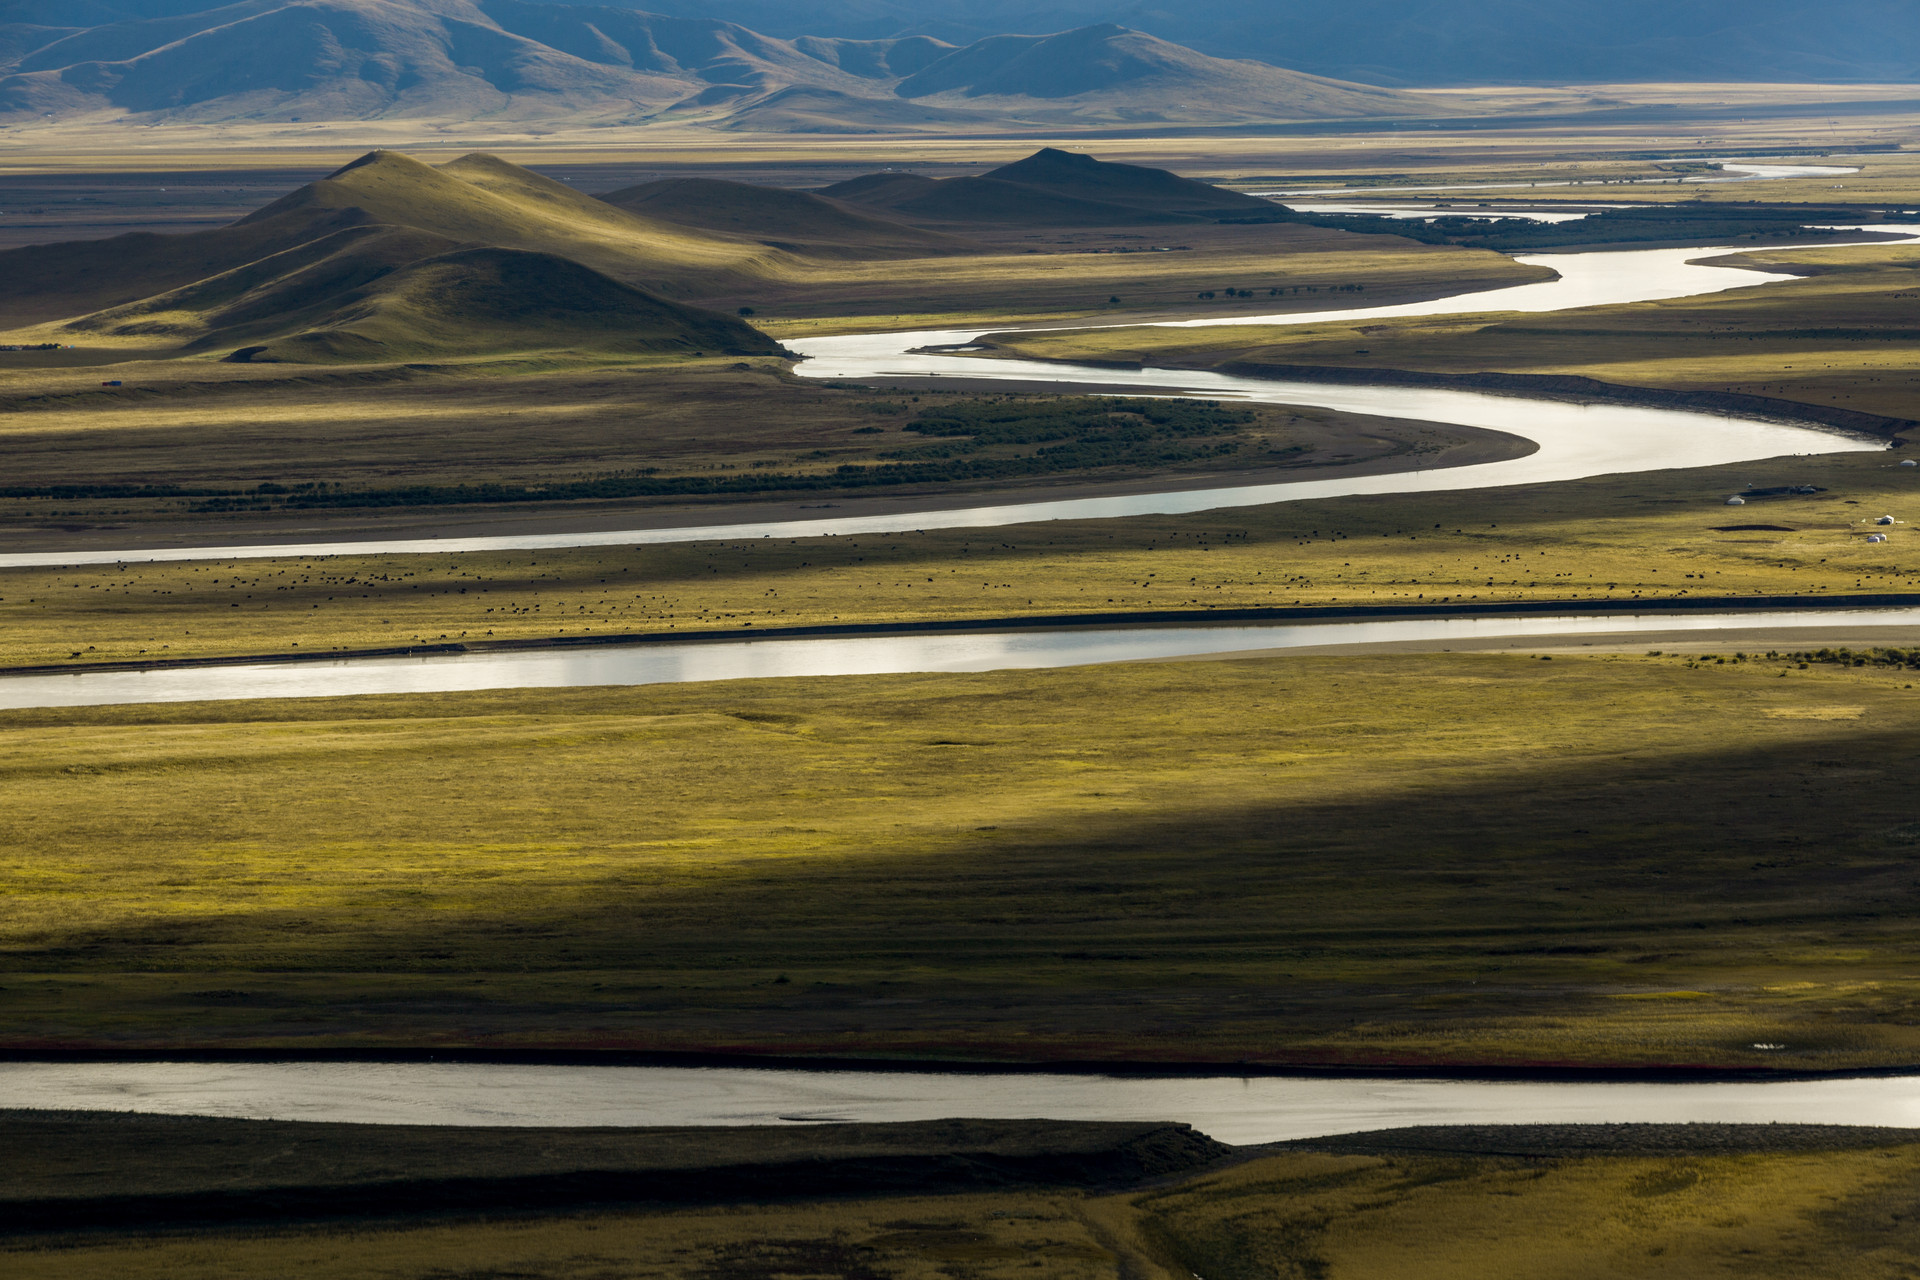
(486, 300)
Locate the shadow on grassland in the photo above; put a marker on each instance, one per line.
(1542, 891)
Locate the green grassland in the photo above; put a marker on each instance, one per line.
(1620, 538)
(1533, 1204)
(1416, 859)
(1506, 1203)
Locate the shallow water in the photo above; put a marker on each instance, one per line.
(1236, 1110)
(658, 663)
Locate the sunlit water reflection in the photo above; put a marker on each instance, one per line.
(1237, 1110)
(667, 663)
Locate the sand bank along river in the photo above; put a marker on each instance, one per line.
(657, 662)
(1574, 440)
(1237, 1110)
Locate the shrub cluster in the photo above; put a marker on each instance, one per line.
(1909, 659)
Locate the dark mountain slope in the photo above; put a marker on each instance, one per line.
(51, 281)
(269, 294)
(484, 300)
(388, 257)
(482, 199)
(798, 220)
(1132, 185)
(1050, 188)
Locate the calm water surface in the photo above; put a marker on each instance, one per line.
(667, 663)
(1264, 1109)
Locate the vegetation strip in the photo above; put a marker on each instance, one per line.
(304, 1170)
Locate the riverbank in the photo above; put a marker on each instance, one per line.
(1837, 346)
(916, 1202)
(1401, 445)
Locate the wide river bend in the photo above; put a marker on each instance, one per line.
(1574, 440)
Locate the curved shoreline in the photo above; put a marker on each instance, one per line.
(601, 526)
(1475, 446)
(1156, 618)
(1567, 447)
(1572, 388)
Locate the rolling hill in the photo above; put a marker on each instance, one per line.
(481, 301)
(389, 258)
(515, 60)
(1049, 188)
(477, 199)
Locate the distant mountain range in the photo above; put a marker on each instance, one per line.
(518, 60)
(1398, 42)
(1429, 42)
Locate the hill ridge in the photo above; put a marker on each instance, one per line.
(390, 258)
(1050, 186)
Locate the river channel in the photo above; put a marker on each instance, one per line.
(1575, 440)
(1232, 1109)
(655, 662)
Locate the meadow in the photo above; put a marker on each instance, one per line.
(1571, 1202)
(1468, 861)
(1438, 858)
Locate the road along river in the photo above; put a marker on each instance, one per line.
(1232, 1109)
(1574, 440)
(683, 661)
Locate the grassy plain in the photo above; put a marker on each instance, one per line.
(1417, 859)
(1506, 1203)
(1650, 535)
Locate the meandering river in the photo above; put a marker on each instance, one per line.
(655, 662)
(1574, 440)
